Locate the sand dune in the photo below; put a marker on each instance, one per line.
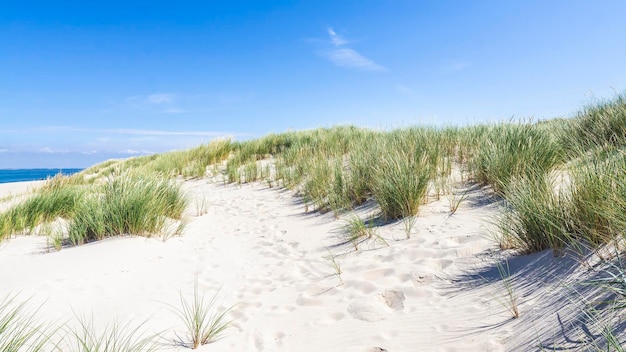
(271, 261)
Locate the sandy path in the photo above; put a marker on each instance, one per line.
(270, 260)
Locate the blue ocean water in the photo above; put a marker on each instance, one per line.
(18, 175)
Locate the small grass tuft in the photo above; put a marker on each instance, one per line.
(510, 294)
(114, 338)
(19, 331)
(204, 322)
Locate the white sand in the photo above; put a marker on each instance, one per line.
(436, 291)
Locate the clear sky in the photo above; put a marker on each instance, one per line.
(85, 81)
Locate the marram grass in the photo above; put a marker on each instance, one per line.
(126, 204)
(121, 204)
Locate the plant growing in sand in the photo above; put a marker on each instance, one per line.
(507, 151)
(357, 230)
(19, 331)
(251, 171)
(535, 217)
(336, 266)
(53, 200)
(598, 321)
(409, 224)
(510, 295)
(201, 206)
(203, 321)
(454, 199)
(401, 184)
(114, 338)
(127, 205)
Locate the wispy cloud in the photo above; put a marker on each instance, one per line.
(346, 57)
(85, 141)
(335, 38)
(48, 150)
(343, 56)
(160, 98)
(163, 133)
(135, 152)
(173, 111)
(166, 103)
(402, 89)
(126, 131)
(455, 66)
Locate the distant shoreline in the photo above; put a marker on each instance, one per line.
(35, 174)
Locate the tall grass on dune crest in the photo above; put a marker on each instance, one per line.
(587, 204)
(603, 122)
(507, 151)
(590, 209)
(192, 163)
(337, 169)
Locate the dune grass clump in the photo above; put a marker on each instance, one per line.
(598, 201)
(590, 209)
(587, 205)
(602, 123)
(536, 217)
(508, 151)
(127, 204)
(339, 168)
(401, 184)
(51, 202)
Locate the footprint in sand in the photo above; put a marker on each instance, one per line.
(394, 299)
(378, 307)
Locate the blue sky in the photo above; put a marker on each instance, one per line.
(85, 81)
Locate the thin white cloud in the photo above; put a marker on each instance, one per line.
(160, 98)
(163, 133)
(173, 111)
(401, 88)
(48, 150)
(455, 66)
(335, 38)
(346, 57)
(3, 150)
(343, 56)
(134, 152)
(150, 102)
(126, 131)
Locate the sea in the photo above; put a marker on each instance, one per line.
(19, 175)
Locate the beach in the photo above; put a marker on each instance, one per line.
(291, 280)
